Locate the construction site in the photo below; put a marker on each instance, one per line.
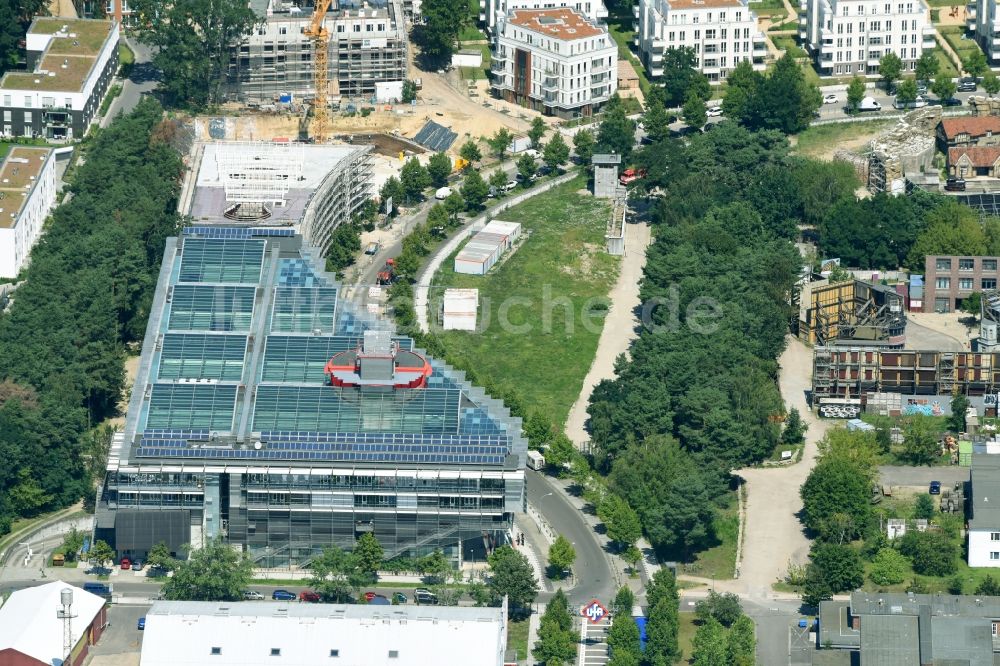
(853, 313)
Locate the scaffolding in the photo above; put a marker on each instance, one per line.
(259, 172)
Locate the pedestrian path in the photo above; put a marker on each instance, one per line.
(594, 643)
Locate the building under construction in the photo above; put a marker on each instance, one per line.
(854, 313)
(854, 372)
(367, 46)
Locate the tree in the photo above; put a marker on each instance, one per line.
(537, 131)
(616, 133)
(72, 543)
(526, 168)
(556, 152)
(662, 625)
(924, 508)
(971, 305)
(454, 204)
(960, 404)
(28, 497)
(560, 453)
(840, 566)
(741, 88)
(368, 553)
(434, 566)
(794, 430)
(949, 228)
(783, 100)
(438, 34)
(101, 553)
(944, 87)
(920, 440)
(933, 552)
(474, 191)
(888, 567)
(725, 608)
(991, 82)
(655, 120)
(927, 66)
(500, 142)
(193, 40)
(694, 112)
(556, 639)
(561, 557)
(623, 602)
(583, 145)
(345, 244)
(906, 91)
(741, 644)
(214, 572)
(855, 93)
(335, 575)
(409, 91)
(623, 641)
(709, 647)
(470, 152)
(678, 72)
(438, 169)
(414, 179)
(512, 575)
(391, 189)
(975, 63)
(816, 588)
(989, 587)
(889, 68)
(836, 486)
(498, 179)
(159, 557)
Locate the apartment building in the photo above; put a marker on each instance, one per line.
(27, 194)
(951, 279)
(981, 21)
(722, 33)
(556, 61)
(367, 46)
(71, 63)
(119, 10)
(851, 36)
(492, 12)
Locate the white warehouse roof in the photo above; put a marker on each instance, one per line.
(29, 625)
(262, 633)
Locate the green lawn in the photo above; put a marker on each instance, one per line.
(561, 262)
(768, 8)
(945, 65)
(471, 33)
(517, 638)
(125, 55)
(787, 43)
(719, 561)
(954, 35)
(819, 138)
(788, 25)
(478, 73)
(945, 3)
(620, 27)
(685, 636)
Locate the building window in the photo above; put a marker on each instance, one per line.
(994, 555)
(216, 650)
(942, 264)
(989, 283)
(989, 264)
(334, 653)
(393, 654)
(965, 283)
(996, 625)
(275, 652)
(943, 283)
(994, 536)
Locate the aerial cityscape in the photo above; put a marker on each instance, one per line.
(499, 332)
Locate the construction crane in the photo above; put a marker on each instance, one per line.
(319, 36)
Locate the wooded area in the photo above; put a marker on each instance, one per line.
(86, 294)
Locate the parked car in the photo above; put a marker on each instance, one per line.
(830, 99)
(283, 595)
(141, 624)
(252, 595)
(511, 185)
(126, 564)
(309, 596)
(370, 595)
(399, 598)
(869, 104)
(379, 600)
(534, 153)
(935, 488)
(954, 185)
(137, 566)
(98, 571)
(917, 103)
(424, 596)
(713, 111)
(493, 193)
(967, 84)
(921, 88)
(951, 101)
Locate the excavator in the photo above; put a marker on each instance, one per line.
(320, 38)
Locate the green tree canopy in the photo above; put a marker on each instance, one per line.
(840, 565)
(526, 167)
(438, 169)
(561, 556)
(500, 142)
(741, 643)
(623, 641)
(616, 133)
(620, 520)
(975, 63)
(556, 152)
(933, 553)
(215, 572)
(795, 429)
(470, 152)
(512, 575)
(991, 82)
(583, 145)
(924, 507)
(368, 553)
(336, 575)
(889, 68)
(556, 639)
(694, 112)
(679, 75)
(474, 190)
(889, 567)
(920, 440)
(944, 87)
(414, 179)
(725, 608)
(906, 91)
(834, 487)
(709, 644)
(989, 587)
(927, 66)
(655, 119)
(438, 33)
(537, 131)
(855, 93)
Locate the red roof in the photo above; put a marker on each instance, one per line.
(981, 156)
(971, 125)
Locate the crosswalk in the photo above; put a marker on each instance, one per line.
(593, 643)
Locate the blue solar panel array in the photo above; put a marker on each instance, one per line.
(477, 420)
(357, 456)
(238, 232)
(295, 273)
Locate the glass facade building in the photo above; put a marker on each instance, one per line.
(235, 430)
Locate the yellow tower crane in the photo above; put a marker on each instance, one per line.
(319, 36)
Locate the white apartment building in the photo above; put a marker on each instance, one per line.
(27, 194)
(981, 20)
(555, 61)
(851, 36)
(492, 12)
(722, 34)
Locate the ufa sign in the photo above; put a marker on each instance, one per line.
(594, 611)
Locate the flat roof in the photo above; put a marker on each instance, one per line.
(704, 4)
(18, 173)
(561, 23)
(985, 484)
(68, 57)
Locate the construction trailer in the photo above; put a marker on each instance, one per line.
(852, 312)
(366, 45)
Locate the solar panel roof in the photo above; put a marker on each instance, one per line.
(435, 137)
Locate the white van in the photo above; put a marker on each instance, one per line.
(869, 104)
(536, 460)
(443, 193)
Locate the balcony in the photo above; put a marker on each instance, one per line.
(635, 11)
(498, 67)
(550, 82)
(599, 78)
(599, 66)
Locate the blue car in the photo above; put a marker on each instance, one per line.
(283, 595)
(935, 488)
(141, 624)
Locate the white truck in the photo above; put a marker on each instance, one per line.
(536, 460)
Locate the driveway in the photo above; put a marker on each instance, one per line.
(922, 476)
(922, 337)
(142, 80)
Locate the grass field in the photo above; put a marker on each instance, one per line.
(955, 36)
(819, 138)
(945, 65)
(517, 638)
(768, 8)
(478, 73)
(787, 44)
(719, 561)
(620, 27)
(685, 636)
(543, 353)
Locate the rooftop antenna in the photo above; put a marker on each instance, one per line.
(66, 615)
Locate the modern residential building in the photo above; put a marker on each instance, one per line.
(37, 624)
(981, 20)
(262, 632)
(27, 194)
(311, 188)
(367, 45)
(722, 33)
(851, 36)
(119, 10)
(555, 61)
(906, 628)
(491, 12)
(951, 279)
(71, 63)
(271, 412)
(984, 514)
(968, 131)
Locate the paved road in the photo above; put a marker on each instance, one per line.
(594, 576)
(143, 79)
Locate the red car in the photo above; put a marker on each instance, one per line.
(309, 595)
(369, 596)
(126, 564)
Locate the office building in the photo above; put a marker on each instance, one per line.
(270, 412)
(555, 61)
(367, 45)
(27, 195)
(849, 37)
(71, 63)
(722, 33)
(262, 632)
(949, 280)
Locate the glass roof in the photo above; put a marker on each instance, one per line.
(196, 307)
(192, 406)
(204, 260)
(302, 310)
(202, 356)
(300, 359)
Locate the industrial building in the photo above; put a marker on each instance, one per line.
(310, 188)
(260, 632)
(984, 514)
(367, 46)
(950, 279)
(852, 312)
(485, 248)
(71, 63)
(55, 623)
(907, 628)
(27, 194)
(459, 309)
(270, 412)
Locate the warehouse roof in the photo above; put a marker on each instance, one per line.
(890, 640)
(19, 172)
(72, 48)
(28, 622)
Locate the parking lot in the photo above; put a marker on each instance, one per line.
(801, 644)
(121, 636)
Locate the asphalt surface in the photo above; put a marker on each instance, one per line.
(922, 476)
(142, 80)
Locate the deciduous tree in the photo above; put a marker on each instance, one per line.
(709, 644)
(620, 520)
(474, 191)
(655, 120)
(556, 639)
(101, 553)
(583, 145)
(561, 557)
(438, 169)
(214, 572)
(335, 575)
(920, 440)
(927, 66)
(368, 553)
(512, 575)
(537, 131)
(741, 643)
(944, 87)
(526, 168)
(889, 68)
(556, 152)
(975, 63)
(414, 179)
(694, 112)
(855, 93)
(933, 553)
(500, 142)
(889, 567)
(470, 152)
